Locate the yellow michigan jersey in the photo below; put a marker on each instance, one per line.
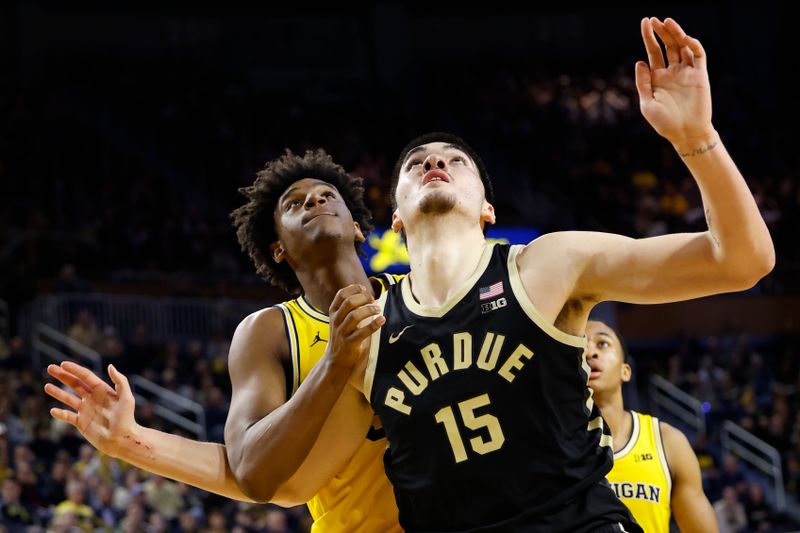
(641, 476)
(360, 498)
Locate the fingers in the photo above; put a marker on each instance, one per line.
(83, 373)
(698, 53)
(672, 46)
(350, 304)
(67, 416)
(687, 57)
(69, 379)
(644, 82)
(119, 379)
(343, 294)
(368, 329)
(654, 55)
(355, 317)
(70, 400)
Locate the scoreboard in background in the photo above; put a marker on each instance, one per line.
(386, 250)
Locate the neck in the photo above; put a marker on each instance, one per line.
(443, 253)
(321, 281)
(615, 415)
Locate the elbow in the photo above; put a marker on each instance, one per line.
(260, 488)
(753, 267)
(254, 482)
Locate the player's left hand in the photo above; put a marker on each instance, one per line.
(675, 97)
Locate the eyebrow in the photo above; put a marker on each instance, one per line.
(604, 334)
(422, 148)
(288, 192)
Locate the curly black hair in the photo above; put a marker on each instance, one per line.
(255, 220)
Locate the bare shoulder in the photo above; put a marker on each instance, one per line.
(259, 337)
(673, 437)
(680, 455)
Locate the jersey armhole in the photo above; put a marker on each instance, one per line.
(293, 379)
(530, 309)
(662, 453)
(374, 347)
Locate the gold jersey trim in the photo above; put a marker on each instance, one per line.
(527, 305)
(374, 347)
(439, 312)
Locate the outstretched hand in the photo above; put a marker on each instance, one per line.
(675, 97)
(104, 415)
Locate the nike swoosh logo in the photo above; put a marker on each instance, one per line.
(395, 336)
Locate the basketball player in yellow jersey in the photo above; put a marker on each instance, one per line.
(655, 471)
(301, 225)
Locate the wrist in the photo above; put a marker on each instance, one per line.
(696, 144)
(127, 444)
(336, 369)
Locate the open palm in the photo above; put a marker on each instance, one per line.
(104, 415)
(674, 96)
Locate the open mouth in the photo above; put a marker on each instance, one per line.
(435, 175)
(594, 374)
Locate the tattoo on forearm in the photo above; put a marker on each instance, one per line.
(710, 229)
(698, 151)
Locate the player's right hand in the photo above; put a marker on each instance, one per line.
(104, 415)
(354, 316)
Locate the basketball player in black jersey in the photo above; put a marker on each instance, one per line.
(478, 374)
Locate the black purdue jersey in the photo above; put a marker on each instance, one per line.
(490, 422)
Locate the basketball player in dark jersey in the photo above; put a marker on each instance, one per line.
(478, 374)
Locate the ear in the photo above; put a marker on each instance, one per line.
(626, 372)
(397, 224)
(277, 251)
(487, 214)
(359, 234)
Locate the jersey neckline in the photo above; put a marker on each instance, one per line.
(438, 312)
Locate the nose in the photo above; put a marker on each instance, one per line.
(314, 199)
(433, 161)
(591, 351)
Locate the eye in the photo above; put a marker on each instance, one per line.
(458, 158)
(602, 344)
(413, 163)
(292, 204)
(329, 194)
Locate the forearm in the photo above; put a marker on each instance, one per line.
(275, 447)
(201, 464)
(740, 239)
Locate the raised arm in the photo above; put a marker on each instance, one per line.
(689, 504)
(733, 254)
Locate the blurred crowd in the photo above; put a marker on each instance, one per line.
(53, 481)
(127, 187)
(51, 478)
(122, 169)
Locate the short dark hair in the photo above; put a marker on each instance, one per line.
(255, 220)
(449, 138)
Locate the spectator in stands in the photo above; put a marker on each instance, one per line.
(164, 496)
(730, 512)
(84, 331)
(13, 513)
(757, 511)
(75, 505)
